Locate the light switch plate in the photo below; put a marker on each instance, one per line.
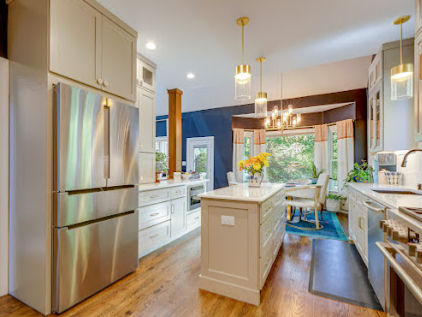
(227, 220)
(183, 163)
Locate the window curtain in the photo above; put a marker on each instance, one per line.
(260, 141)
(238, 152)
(346, 150)
(321, 148)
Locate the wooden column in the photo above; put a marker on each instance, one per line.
(175, 131)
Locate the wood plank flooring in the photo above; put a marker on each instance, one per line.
(166, 284)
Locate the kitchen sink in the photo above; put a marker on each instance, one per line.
(395, 192)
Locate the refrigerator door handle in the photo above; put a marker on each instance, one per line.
(106, 141)
(87, 223)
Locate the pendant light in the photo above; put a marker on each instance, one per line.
(261, 97)
(402, 75)
(243, 72)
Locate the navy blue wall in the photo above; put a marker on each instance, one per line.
(213, 122)
(3, 29)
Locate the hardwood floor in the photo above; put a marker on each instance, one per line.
(166, 284)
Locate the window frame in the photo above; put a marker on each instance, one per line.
(333, 184)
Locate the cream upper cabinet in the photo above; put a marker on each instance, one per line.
(74, 46)
(146, 168)
(118, 60)
(146, 76)
(87, 46)
(146, 104)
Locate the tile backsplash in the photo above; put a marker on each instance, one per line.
(412, 173)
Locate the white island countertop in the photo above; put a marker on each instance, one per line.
(170, 183)
(242, 192)
(393, 201)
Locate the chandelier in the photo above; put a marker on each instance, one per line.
(279, 121)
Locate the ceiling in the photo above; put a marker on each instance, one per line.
(202, 37)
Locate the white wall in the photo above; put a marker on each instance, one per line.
(4, 177)
(322, 79)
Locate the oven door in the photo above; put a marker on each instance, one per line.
(194, 199)
(404, 278)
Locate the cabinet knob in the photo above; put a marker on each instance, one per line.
(382, 224)
(412, 249)
(142, 178)
(100, 81)
(142, 146)
(105, 83)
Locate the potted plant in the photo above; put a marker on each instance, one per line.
(315, 173)
(333, 202)
(362, 173)
(255, 167)
(161, 164)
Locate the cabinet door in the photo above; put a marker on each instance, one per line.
(375, 71)
(351, 216)
(146, 168)
(418, 15)
(146, 104)
(118, 60)
(418, 88)
(146, 76)
(364, 224)
(376, 119)
(178, 217)
(75, 41)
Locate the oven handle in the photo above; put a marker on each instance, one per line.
(416, 291)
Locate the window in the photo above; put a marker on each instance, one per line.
(291, 157)
(249, 150)
(333, 157)
(161, 144)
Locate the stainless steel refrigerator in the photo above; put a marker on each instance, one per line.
(95, 240)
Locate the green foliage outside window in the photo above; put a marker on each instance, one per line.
(291, 157)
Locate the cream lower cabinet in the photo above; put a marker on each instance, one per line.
(87, 46)
(237, 258)
(358, 222)
(163, 217)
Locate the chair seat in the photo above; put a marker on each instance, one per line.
(302, 203)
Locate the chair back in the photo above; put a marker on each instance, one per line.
(231, 178)
(323, 180)
(303, 181)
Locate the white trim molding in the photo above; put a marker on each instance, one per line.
(4, 176)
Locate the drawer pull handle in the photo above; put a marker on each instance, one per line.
(179, 192)
(155, 235)
(268, 232)
(196, 218)
(268, 209)
(154, 214)
(153, 196)
(172, 208)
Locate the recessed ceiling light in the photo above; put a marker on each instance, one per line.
(190, 75)
(151, 46)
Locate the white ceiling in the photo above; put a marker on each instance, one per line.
(202, 37)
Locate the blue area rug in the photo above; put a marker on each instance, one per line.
(332, 228)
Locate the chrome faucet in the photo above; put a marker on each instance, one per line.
(407, 154)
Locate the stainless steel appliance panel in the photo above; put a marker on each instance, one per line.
(73, 207)
(79, 140)
(193, 196)
(89, 258)
(123, 143)
(376, 262)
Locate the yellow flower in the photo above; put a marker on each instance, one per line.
(240, 164)
(257, 166)
(266, 162)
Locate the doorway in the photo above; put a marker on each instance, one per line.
(200, 158)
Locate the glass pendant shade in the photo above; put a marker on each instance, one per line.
(242, 82)
(261, 105)
(402, 82)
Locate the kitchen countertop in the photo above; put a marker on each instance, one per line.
(393, 201)
(170, 183)
(242, 192)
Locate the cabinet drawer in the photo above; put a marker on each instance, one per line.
(194, 217)
(266, 209)
(265, 235)
(265, 263)
(153, 196)
(154, 214)
(154, 237)
(176, 192)
(278, 198)
(277, 243)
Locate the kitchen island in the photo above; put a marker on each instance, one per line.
(242, 231)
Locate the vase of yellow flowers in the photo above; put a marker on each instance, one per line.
(255, 167)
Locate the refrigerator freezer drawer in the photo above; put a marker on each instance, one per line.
(73, 208)
(91, 257)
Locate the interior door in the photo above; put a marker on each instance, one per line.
(123, 144)
(79, 144)
(200, 158)
(118, 60)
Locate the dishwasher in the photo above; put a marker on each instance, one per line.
(376, 260)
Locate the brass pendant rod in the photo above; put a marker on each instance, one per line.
(243, 44)
(401, 43)
(260, 76)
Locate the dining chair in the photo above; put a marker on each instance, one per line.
(231, 178)
(309, 197)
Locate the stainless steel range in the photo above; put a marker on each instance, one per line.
(403, 252)
(96, 194)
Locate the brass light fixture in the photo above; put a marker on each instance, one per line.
(402, 75)
(243, 72)
(283, 121)
(261, 97)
